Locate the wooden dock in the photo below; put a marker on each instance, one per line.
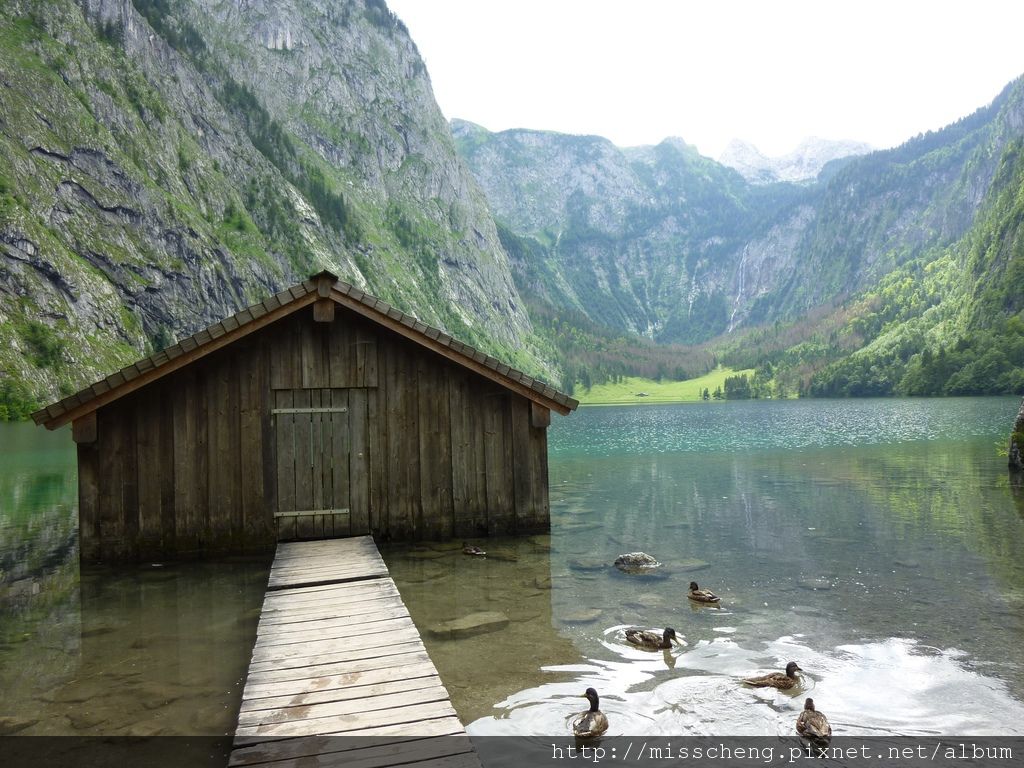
(337, 655)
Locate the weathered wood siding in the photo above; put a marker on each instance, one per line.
(398, 441)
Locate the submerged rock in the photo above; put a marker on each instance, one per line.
(473, 624)
(582, 616)
(425, 554)
(587, 565)
(636, 561)
(581, 527)
(542, 582)
(807, 610)
(84, 721)
(907, 563)
(645, 600)
(814, 584)
(9, 725)
(692, 564)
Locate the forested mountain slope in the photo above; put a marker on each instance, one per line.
(165, 162)
(663, 243)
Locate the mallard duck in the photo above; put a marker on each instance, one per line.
(813, 725)
(699, 595)
(592, 723)
(470, 549)
(645, 638)
(781, 680)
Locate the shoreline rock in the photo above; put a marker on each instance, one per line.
(1016, 460)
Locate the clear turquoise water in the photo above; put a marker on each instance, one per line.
(878, 543)
(155, 649)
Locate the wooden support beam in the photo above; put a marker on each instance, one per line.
(324, 282)
(323, 311)
(540, 417)
(83, 429)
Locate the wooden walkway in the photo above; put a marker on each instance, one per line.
(337, 655)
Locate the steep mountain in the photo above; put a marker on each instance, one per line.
(802, 164)
(664, 243)
(950, 322)
(164, 162)
(645, 240)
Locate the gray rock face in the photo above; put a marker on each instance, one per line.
(644, 239)
(1017, 441)
(161, 171)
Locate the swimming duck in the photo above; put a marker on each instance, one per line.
(781, 680)
(592, 723)
(470, 549)
(813, 725)
(699, 595)
(645, 638)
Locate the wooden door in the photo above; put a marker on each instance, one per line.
(320, 441)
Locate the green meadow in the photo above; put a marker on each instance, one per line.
(629, 388)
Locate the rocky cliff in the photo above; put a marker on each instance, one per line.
(165, 162)
(1016, 452)
(665, 243)
(645, 240)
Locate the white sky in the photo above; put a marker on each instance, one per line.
(771, 72)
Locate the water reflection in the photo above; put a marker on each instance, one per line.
(130, 651)
(889, 569)
(891, 573)
(503, 602)
(150, 651)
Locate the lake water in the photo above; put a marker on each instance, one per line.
(878, 543)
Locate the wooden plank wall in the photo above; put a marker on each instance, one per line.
(189, 465)
(177, 469)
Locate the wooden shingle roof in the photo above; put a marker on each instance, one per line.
(319, 286)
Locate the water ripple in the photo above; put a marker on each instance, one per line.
(794, 424)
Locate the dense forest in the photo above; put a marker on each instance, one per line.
(948, 323)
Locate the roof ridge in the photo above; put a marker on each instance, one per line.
(56, 413)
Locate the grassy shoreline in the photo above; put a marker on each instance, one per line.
(628, 390)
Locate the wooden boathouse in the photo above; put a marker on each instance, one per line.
(321, 412)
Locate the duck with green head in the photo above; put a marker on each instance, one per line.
(592, 723)
(699, 595)
(645, 638)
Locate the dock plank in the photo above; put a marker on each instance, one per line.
(338, 654)
(335, 631)
(343, 668)
(310, 689)
(410, 714)
(361, 706)
(315, 746)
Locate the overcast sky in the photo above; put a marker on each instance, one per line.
(771, 72)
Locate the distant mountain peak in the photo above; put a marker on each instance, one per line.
(802, 164)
